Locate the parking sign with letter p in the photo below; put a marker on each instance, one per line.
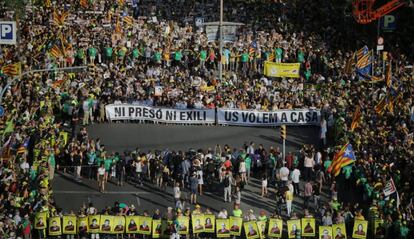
(7, 33)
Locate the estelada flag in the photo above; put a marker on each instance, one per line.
(356, 118)
(12, 69)
(344, 157)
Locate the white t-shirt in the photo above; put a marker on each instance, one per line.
(25, 166)
(101, 171)
(177, 192)
(284, 173)
(295, 175)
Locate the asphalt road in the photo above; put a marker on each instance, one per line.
(70, 194)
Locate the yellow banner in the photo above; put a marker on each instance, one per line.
(308, 227)
(275, 227)
(94, 223)
(55, 229)
(40, 220)
(69, 224)
(156, 228)
(293, 227)
(235, 225)
(325, 232)
(197, 223)
(251, 230)
(184, 223)
(131, 222)
(360, 229)
(82, 224)
(209, 224)
(145, 224)
(222, 228)
(338, 231)
(273, 69)
(119, 225)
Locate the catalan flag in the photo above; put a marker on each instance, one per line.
(362, 52)
(60, 19)
(121, 2)
(12, 69)
(356, 118)
(344, 157)
(272, 57)
(128, 20)
(363, 63)
(388, 76)
(83, 3)
(56, 52)
(379, 108)
(118, 28)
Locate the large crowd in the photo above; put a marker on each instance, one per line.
(41, 131)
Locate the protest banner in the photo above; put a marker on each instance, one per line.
(379, 229)
(235, 225)
(40, 220)
(275, 227)
(145, 224)
(82, 224)
(107, 223)
(156, 228)
(293, 228)
(197, 223)
(222, 228)
(55, 227)
(338, 231)
(360, 229)
(261, 226)
(69, 224)
(308, 227)
(94, 223)
(137, 112)
(131, 224)
(251, 230)
(184, 223)
(325, 232)
(273, 118)
(209, 223)
(119, 225)
(273, 69)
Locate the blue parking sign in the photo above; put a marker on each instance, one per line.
(7, 32)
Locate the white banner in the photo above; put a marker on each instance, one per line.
(389, 188)
(274, 118)
(137, 112)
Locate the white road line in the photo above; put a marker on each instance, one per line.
(95, 192)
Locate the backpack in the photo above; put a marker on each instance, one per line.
(226, 182)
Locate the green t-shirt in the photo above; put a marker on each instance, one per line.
(135, 53)
(81, 53)
(157, 56)
(52, 160)
(248, 162)
(245, 57)
(301, 57)
(92, 51)
(108, 163)
(237, 212)
(178, 55)
(278, 53)
(203, 55)
(108, 51)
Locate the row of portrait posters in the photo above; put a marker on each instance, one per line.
(224, 228)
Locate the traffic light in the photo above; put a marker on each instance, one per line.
(283, 132)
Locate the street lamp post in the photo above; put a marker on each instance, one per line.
(221, 42)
